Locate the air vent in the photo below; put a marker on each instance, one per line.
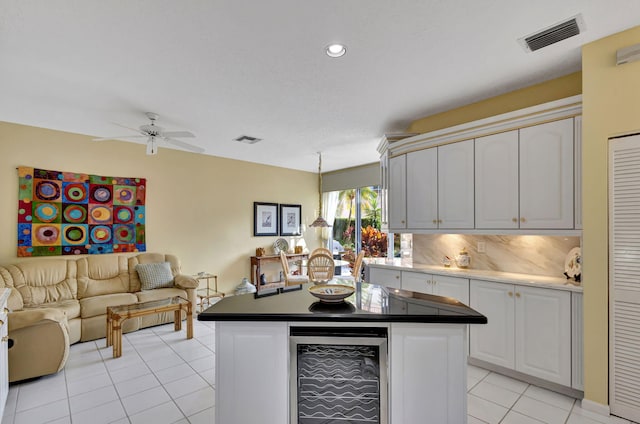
(247, 139)
(553, 34)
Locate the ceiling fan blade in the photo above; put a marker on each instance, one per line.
(178, 134)
(184, 145)
(136, 130)
(118, 137)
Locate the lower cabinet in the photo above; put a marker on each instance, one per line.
(427, 368)
(384, 277)
(528, 330)
(440, 285)
(252, 372)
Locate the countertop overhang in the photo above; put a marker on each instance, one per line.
(370, 303)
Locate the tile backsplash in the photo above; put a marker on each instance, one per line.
(537, 255)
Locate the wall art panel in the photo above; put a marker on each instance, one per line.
(66, 213)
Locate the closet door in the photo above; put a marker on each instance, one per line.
(624, 276)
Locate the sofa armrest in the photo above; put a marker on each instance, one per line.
(186, 282)
(26, 318)
(39, 343)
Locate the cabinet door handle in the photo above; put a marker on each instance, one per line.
(510, 294)
(439, 221)
(517, 294)
(402, 222)
(5, 338)
(397, 277)
(523, 219)
(514, 219)
(435, 221)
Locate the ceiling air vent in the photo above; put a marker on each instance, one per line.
(553, 34)
(247, 139)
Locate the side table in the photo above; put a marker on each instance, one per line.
(204, 295)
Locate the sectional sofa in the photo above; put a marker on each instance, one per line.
(58, 302)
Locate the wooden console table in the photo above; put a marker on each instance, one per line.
(258, 261)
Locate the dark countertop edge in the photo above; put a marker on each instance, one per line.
(204, 316)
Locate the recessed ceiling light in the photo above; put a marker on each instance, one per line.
(336, 50)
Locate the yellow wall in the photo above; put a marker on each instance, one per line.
(567, 86)
(199, 207)
(611, 106)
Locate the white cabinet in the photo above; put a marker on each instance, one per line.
(440, 285)
(543, 333)
(427, 373)
(525, 178)
(546, 175)
(384, 192)
(237, 368)
(384, 277)
(439, 188)
(422, 189)
(496, 160)
(397, 193)
(528, 330)
(495, 341)
(455, 185)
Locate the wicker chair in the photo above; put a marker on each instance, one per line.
(320, 267)
(321, 250)
(290, 279)
(356, 272)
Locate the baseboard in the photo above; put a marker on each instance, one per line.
(595, 407)
(565, 390)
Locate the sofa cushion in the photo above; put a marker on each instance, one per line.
(148, 295)
(102, 274)
(71, 308)
(155, 276)
(45, 280)
(97, 305)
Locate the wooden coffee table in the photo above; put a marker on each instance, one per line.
(116, 315)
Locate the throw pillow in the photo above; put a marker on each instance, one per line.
(155, 276)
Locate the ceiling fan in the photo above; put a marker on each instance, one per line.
(153, 133)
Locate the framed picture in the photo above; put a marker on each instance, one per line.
(265, 219)
(290, 220)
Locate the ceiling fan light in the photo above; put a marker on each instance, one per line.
(152, 147)
(335, 50)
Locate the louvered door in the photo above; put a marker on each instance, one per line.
(624, 276)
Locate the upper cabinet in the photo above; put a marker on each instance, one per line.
(438, 188)
(397, 193)
(546, 175)
(525, 178)
(422, 189)
(515, 172)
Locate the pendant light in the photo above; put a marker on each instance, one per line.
(320, 221)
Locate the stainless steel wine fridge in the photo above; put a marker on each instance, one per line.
(338, 375)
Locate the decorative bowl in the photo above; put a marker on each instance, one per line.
(331, 293)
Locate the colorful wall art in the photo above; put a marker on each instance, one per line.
(66, 213)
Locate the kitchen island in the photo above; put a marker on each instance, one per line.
(411, 351)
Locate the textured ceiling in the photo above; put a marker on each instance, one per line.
(222, 69)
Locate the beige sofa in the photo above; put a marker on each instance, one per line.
(57, 302)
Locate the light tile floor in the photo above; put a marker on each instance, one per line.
(164, 378)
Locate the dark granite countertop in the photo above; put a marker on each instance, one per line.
(369, 303)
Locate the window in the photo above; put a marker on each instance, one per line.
(356, 224)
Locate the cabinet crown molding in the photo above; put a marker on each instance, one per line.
(534, 115)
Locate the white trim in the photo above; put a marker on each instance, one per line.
(550, 111)
(598, 408)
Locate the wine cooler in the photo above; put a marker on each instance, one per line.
(338, 375)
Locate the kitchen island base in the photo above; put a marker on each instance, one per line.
(426, 372)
